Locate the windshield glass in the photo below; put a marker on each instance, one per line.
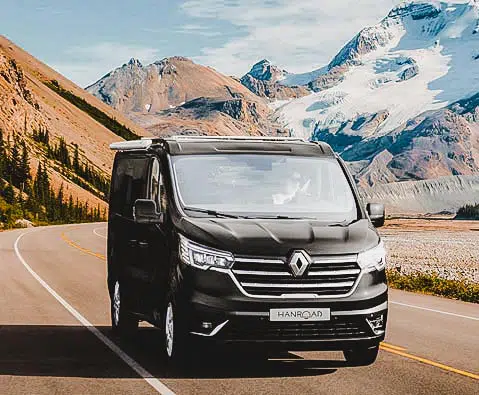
(256, 185)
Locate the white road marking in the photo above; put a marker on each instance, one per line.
(435, 311)
(147, 376)
(95, 231)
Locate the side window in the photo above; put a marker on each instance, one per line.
(130, 183)
(156, 187)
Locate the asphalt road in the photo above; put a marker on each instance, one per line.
(55, 337)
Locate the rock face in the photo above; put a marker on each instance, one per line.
(28, 104)
(444, 194)
(161, 96)
(208, 116)
(265, 80)
(166, 83)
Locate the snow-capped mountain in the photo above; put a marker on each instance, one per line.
(392, 88)
(421, 57)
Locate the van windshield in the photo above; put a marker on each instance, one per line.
(268, 186)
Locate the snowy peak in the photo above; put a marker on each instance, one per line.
(416, 10)
(367, 40)
(419, 20)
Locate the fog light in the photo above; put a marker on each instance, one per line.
(376, 324)
(206, 325)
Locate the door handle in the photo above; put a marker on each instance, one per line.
(142, 244)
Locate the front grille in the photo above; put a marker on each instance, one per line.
(331, 275)
(337, 329)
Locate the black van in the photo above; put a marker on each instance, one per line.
(233, 240)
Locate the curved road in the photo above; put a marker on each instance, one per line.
(54, 337)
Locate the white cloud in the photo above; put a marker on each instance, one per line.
(87, 64)
(198, 30)
(297, 35)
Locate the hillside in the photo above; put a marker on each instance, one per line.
(174, 95)
(36, 101)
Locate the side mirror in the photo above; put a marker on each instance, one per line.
(376, 213)
(145, 212)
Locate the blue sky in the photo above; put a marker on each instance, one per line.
(86, 39)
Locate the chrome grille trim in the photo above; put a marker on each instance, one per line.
(261, 273)
(334, 272)
(258, 260)
(339, 259)
(332, 276)
(318, 285)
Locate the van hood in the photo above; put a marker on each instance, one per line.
(277, 237)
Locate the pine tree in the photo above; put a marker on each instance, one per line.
(9, 194)
(76, 160)
(24, 166)
(70, 210)
(3, 155)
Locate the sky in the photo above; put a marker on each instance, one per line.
(86, 39)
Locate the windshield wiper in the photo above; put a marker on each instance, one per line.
(213, 213)
(277, 217)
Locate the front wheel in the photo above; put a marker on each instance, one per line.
(123, 323)
(176, 341)
(361, 356)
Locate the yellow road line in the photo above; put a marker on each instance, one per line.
(429, 362)
(85, 250)
(384, 346)
(392, 346)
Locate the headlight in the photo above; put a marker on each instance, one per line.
(373, 258)
(202, 257)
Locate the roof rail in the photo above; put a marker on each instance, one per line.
(146, 142)
(233, 138)
(142, 144)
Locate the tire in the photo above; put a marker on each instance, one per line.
(176, 341)
(123, 322)
(361, 356)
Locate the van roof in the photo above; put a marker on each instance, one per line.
(184, 145)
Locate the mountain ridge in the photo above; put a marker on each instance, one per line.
(156, 96)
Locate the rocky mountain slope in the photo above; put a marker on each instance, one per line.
(267, 80)
(174, 95)
(443, 194)
(34, 100)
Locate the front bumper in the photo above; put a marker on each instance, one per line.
(218, 311)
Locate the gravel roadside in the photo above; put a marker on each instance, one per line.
(452, 255)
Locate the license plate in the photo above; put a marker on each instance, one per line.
(300, 314)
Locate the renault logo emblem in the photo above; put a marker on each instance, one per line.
(299, 262)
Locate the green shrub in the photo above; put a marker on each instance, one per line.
(469, 211)
(434, 285)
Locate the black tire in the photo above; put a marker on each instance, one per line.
(361, 356)
(176, 340)
(123, 322)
